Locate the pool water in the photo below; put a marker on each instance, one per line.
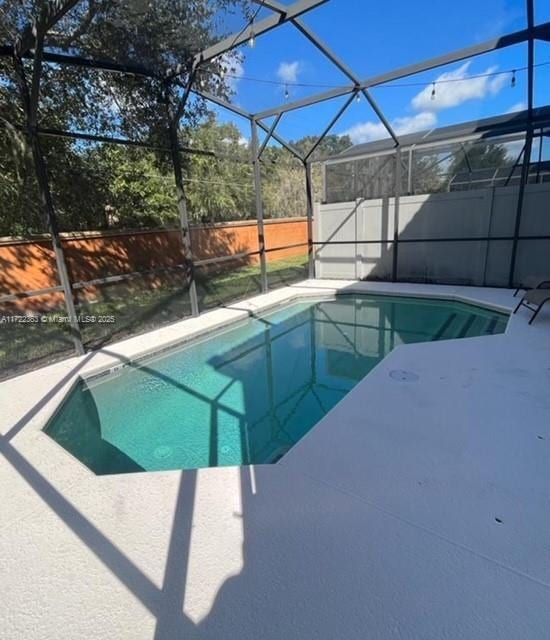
(248, 394)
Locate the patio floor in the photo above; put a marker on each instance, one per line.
(412, 510)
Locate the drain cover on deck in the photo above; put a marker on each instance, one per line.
(403, 376)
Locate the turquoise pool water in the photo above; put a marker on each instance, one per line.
(247, 395)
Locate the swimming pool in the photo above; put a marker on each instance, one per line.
(248, 394)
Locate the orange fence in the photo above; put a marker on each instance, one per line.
(29, 265)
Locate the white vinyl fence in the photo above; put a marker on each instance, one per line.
(429, 226)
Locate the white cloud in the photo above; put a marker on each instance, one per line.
(461, 89)
(519, 106)
(288, 71)
(418, 122)
(243, 141)
(367, 131)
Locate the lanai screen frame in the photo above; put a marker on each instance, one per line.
(31, 39)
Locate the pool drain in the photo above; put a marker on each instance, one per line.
(403, 376)
(162, 452)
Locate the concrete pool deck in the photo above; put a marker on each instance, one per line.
(414, 509)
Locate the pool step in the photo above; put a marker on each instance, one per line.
(456, 327)
(444, 327)
(491, 325)
(466, 327)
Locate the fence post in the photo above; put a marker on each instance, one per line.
(309, 213)
(410, 172)
(254, 149)
(397, 195)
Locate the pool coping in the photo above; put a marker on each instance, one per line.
(187, 340)
(116, 356)
(201, 336)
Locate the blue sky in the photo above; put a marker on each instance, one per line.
(373, 37)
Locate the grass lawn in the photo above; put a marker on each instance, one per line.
(218, 289)
(28, 346)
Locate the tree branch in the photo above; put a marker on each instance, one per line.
(65, 41)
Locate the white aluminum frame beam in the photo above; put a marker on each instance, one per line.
(420, 146)
(222, 103)
(248, 116)
(287, 145)
(336, 61)
(455, 56)
(256, 29)
(334, 120)
(269, 135)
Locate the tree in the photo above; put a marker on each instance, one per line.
(283, 185)
(157, 35)
(428, 176)
(481, 155)
(331, 145)
(219, 188)
(136, 189)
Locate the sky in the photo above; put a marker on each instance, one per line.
(373, 37)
